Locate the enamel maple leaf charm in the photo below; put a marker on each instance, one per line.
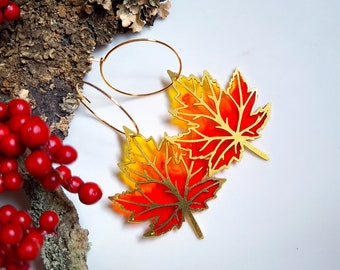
(166, 186)
(219, 124)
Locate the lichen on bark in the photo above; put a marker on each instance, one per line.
(68, 247)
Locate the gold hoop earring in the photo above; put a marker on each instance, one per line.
(103, 59)
(83, 98)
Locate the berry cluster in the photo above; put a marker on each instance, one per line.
(9, 11)
(20, 240)
(27, 136)
(45, 157)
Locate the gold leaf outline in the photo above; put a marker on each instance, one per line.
(183, 203)
(194, 126)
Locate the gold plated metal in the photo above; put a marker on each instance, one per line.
(83, 99)
(103, 59)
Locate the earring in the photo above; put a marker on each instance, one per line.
(219, 124)
(104, 59)
(85, 101)
(170, 180)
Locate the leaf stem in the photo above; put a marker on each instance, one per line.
(190, 218)
(255, 150)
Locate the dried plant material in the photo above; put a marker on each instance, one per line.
(136, 14)
(106, 4)
(164, 8)
(130, 18)
(219, 123)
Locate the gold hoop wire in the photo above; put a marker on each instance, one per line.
(103, 59)
(81, 98)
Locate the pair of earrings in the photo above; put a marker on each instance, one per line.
(171, 179)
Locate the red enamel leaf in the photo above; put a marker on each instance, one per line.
(166, 186)
(219, 123)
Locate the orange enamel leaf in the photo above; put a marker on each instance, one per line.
(166, 186)
(219, 123)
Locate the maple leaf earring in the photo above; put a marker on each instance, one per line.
(170, 180)
(219, 123)
(165, 185)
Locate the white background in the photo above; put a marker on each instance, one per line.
(278, 214)
(270, 215)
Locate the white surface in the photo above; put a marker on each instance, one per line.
(270, 215)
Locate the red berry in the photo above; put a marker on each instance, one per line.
(18, 106)
(10, 256)
(15, 123)
(11, 12)
(89, 193)
(11, 145)
(66, 154)
(73, 184)
(6, 211)
(35, 236)
(21, 218)
(49, 221)
(28, 250)
(2, 188)
(8, 165)
(53, 144)
(12, 181)
(3, 3)
(3, 106)
(51, 181)
(65, 173)
(11, 234)
(21, 265)
(4, 130)
(38, 163)
(35, 132)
